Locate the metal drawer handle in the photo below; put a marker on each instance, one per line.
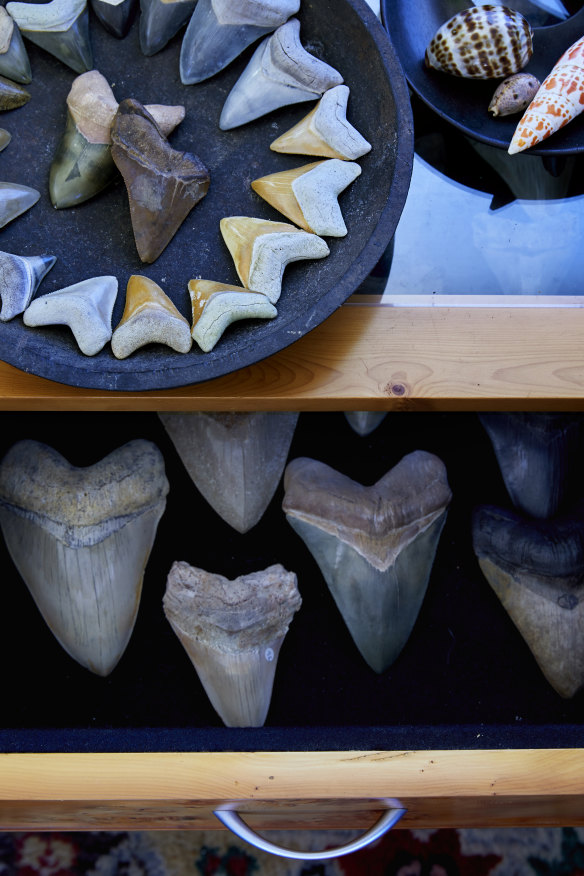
(237, 825)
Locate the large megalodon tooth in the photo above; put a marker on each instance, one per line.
(12, 95)
(280, 72)
(216, 305)
(160, 20)
(115, 15)
(81, 537)
(220, 30)
(149, 317)
(14, 62)
(163, 184)
(536, 568)
(233, 632)
(20, 277)
(235, 460)
(61, 27)
(374, 545)
(15, 199)
(364, 422)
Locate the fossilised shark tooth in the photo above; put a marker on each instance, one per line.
(60, 27)
(235, 460)
(149, 317)
(85, 307)
(364, 422)
(375, 546)
(308, 195)
(163, 184)
(325, 131)
(20, 277)
(15, 199)
(12, 95)
(280, 72)
(81, 537)
(14, 62)
(233, 631)
(5, 138)
(220, 30)
(261, 249)
(536, 568)
(160, 20)
(115, 15)
(217, 305)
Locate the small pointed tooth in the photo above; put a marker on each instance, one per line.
(149, 317)
(233, 631)
(20, 277)
(325, 131)
(535, 568)
(85, 307)
(261, 249)
(116, 16)
(217, 305)
(235, 460)
(5, 138)
(375, 546)
(220, 30)
(280, 72)
(160, 20)
(15, 199)
(81, 537)
(12, 95)
(14, 61)
(364, 422)
(60, 27)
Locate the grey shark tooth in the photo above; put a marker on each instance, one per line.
(235, 460)
(14, 62)
(116, 16)
(60, 27)
(536, 568)
(364, 422)
(160, 20)
(5, 138)
(233, 632)
(15, 199)
(81, 537)
(536, 453)
(375, 545)
(20, 277)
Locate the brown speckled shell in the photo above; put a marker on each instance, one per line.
(514, 94)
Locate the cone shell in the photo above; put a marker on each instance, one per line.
(149, 317)
(217, 305)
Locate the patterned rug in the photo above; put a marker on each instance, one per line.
(505, 852)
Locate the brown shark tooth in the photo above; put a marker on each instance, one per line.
(217, 305)
(163, 184)
(375, 546)
(233, 632)
(12, 95)
(5, 138)
(235, 460)
(536, 568)
(149, 317)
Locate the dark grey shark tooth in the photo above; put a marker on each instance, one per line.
(235, 460)
(60, 27)
(5, 138)
(12, 95)
(15, 199)
(116, 16)
(14, 62)
(160, 20)
(20, 277)
(536, 453)
(364, 422)
(536, 568)
(375, 546)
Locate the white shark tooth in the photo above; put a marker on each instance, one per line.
(325, 131)
(375, 546)
(20, 277)
(15, 200)
(235, 460)
(220, 30)
(364, 422)
(280, 72)
(160, 20)
(149, 317)
(261, 249)
(233, 631)
(86, 307)
(60, 27)
(308, 195)
(14, 62)
(217, 305)
(81, 537)
(116, 16)
(536, 569)
(5, 138)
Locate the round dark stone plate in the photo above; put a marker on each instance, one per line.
(96, 238)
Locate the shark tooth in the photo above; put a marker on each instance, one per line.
(15, 200)
(160, 20)
(217, 305)
(80, 539)
(232, 632)
(536, 568)
(14, 62)
(308, 195)
(535, 453)
(5, 138)
(20, 277)
(149, 317)
(281, 72)
(261, 249)
(235, 460)
(60, 27)
(12, 95)
(85, 307)
(364, 422)
(375, 545)
(325, 131)
(163, 184)
(116, 16)
(220, 30)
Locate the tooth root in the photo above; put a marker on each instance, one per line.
(15, 200)
(60, 27)
(14, 62)
(217, 305)
(116, 16)
(233, 631)
(364, 422)
(20, 277)
(281, 72)
(261, 249)
(12, 95)
(149, 317)
(81, 537)
(535, 568)
(160, 20)
(375, 546)
(85, 307)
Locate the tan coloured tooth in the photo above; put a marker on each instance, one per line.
(149, 317)
(217, 305)
(233, 632)
(261, 249)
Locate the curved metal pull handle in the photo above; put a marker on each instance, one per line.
(237, 825)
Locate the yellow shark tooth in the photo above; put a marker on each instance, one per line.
(149, 317)
(217, 305)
